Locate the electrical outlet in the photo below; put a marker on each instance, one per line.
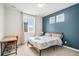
(65, 42)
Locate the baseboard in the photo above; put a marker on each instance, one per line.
(71, 48)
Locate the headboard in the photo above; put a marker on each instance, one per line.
(55, 33)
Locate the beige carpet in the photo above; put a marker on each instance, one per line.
(24, 50)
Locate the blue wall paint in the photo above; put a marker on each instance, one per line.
(70, 27)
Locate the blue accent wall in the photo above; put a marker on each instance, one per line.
(70, 27)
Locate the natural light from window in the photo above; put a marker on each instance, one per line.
(29, 23)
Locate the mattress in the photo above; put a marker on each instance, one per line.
(44, 42)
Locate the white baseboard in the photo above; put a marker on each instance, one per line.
(71, 48)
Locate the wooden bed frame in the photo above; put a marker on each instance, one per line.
(40, 50)
(28, 43)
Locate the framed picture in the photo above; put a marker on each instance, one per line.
(52, 20)
(60, 18)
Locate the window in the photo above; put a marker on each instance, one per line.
(29, 23)
(52, 20)
(60, 18)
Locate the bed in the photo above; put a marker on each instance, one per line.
(42, 42)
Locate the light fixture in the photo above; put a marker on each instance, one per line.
(41, 4)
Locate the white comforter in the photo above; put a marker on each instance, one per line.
(43, 42)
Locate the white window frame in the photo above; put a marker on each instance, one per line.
(33, 31)
(60, 18)
(25, 20)
(52, 20)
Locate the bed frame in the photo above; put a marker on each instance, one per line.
(40, 50)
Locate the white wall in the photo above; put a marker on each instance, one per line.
(12, 22)
(1, 21)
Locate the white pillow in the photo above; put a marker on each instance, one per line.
(47, 34)
(57, 35)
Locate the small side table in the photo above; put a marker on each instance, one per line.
(8, 41)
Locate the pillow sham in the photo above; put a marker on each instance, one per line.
(48, 34)
(57, 35)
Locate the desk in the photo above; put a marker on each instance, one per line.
(8, 41)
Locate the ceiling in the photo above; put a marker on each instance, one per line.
(33, 9)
